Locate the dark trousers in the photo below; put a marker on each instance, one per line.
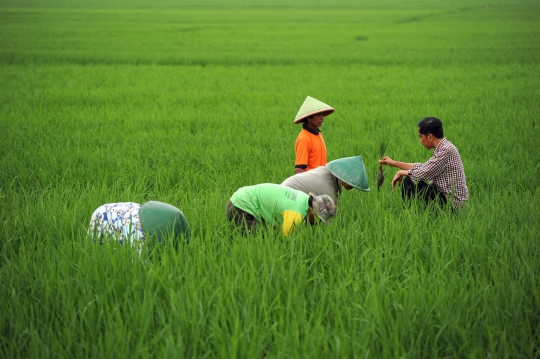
(241, 218)
(424, 191)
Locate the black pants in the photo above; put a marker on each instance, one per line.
(424, 191)
(241, 218)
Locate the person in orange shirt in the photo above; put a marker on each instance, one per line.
(310, 148)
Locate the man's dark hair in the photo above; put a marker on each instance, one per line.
(305, 119)
(431, 125)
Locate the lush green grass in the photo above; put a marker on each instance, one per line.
(291, 33)
(185, 102)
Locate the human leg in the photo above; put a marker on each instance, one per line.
(241, 218)
(428, 193)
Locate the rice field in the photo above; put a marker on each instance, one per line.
(184, 102)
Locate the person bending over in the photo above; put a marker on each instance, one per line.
(273, 204)
(348, 173)
(131, 223)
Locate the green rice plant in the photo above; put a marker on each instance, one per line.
(183, 103)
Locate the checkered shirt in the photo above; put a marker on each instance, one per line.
(445, 171)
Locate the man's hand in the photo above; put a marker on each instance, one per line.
(385, 161)
(398, 178)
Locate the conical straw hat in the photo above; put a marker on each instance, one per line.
(350, 170)
(310, 107)
(160, 220)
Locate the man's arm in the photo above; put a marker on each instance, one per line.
(398, 178)
(301, 150)
(432, 168)
(290, 220)
(390, 162)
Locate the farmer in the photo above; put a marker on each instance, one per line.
(132, 223)
(310, 148)
(346, 172)
(444, 169)
(273, 204)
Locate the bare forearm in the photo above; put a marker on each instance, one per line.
(401, 165)
(390, 162)
(402, 173)
(398, 178)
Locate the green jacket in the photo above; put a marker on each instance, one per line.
(273, 203)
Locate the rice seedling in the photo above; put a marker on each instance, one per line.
(383, 142)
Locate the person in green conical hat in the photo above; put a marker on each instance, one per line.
(162, 220)
(310, 148)
(130, 223)
(348, 173)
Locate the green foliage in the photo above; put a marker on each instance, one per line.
(184, 102)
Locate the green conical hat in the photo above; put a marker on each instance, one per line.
(350, 170)
(310, 107)
(159, 219)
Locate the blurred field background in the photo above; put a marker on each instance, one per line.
(183, 102)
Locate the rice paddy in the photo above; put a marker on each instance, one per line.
(185, 102)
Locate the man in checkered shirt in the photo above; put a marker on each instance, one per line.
(444, 169)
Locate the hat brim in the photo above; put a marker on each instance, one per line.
(328, 110)
(160, 219)
(350, 170)
(364, 189)
(323, 220)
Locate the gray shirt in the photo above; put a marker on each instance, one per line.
(318, 180)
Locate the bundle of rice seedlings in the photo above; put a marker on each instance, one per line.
(384, 140)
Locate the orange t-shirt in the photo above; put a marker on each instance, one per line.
(310, 149)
